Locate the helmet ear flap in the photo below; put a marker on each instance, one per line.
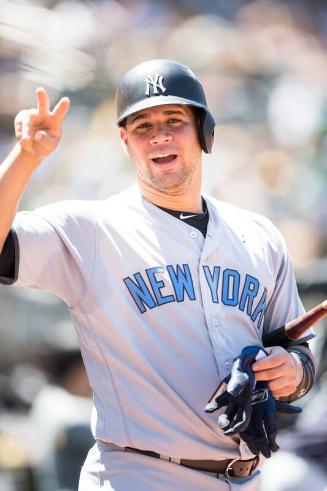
(206, 131)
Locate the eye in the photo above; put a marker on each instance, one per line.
(142, 126)
(174, 120)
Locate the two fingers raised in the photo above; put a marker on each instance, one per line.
(43, 104)
(34, 124)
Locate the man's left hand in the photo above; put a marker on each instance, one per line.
(281, 369)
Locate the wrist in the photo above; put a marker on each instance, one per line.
(28, 159)
(298, 368)
(308, 367)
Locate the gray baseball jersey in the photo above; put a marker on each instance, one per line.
(160, 311)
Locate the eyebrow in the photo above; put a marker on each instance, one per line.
(168, 112)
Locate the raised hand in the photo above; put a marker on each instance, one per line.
(38, 130)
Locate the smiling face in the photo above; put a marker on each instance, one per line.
(163, 145)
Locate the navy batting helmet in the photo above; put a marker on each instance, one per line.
(158, 82)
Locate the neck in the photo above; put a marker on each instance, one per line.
(176, 202)
(186, 197)
(184, 201)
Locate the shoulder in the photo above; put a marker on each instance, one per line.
(246, 221)
(82, 215)
(63, 215)
(69, 210)
(79, 212)
(126, 209)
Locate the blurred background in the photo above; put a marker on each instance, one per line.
(264, 68)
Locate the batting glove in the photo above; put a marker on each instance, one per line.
(251, 409)
(260, 434)
(235, 392)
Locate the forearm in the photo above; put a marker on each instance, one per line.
(15, 173)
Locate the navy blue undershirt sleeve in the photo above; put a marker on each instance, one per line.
(9, 259)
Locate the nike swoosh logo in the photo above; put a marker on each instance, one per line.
(184, 217)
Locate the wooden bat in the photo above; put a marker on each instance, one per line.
(296, 328)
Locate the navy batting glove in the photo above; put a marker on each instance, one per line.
(260, 434)
(251, 409)
(235, 392)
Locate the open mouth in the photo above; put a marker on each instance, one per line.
(165, 159)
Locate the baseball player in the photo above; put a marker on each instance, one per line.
(165, 286)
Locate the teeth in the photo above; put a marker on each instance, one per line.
(161, 155)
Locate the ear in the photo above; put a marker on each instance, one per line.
(124, 141)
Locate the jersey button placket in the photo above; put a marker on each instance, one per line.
(211, 304)
(218, 342)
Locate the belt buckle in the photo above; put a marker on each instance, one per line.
(230, 467)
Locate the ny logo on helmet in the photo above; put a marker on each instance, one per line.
(157, 84)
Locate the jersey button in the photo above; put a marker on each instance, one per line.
(216, 322)
(193, 235)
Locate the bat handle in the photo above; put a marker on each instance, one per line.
(296, 328)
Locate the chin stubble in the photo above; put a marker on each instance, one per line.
(170, 184)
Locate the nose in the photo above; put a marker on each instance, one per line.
(160, 134)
